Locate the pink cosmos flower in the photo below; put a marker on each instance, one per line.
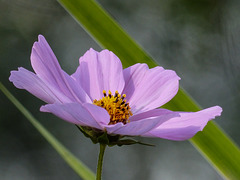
(102, 95)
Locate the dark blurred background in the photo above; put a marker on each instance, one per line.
(199, 39)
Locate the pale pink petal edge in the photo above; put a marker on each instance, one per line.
(186, 126)
(81, 114)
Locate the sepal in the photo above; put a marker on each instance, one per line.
(98, 136)
(129, 142)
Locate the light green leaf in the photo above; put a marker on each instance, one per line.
(212, 143)
(72, 161)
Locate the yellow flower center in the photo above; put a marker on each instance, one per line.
(116, 107)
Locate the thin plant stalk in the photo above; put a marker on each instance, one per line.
(100, 161)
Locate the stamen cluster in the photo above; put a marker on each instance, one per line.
(116, 106)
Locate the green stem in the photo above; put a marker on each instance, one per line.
(100, 161)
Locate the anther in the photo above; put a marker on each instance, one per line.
(104, 93)
(116, 94)
(123, 102)
(109, 93)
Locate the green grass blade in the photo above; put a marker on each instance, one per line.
(72, 161)
(213, 143)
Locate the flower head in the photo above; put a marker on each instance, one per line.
(103, 96)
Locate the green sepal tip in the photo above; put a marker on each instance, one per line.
(98, 136)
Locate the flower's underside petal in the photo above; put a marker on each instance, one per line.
(154, 113)
(24, 79)
(46, 66)
(136, 128)
(141, 124)
(186, 125)
(99, 71)
(81, 114)
(147, 89)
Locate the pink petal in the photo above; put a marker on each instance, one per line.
(141, 124)
(25, 79)
(154, 113)
(99, 71)
(148, 89)
(81, 114)
(185, 126)
(46, 66)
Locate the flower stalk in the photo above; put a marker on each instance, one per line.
(100, 161)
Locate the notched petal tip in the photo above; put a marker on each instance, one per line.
(17, 77)
(13, 78)
(41, 38)
(210, 114)
(218, 110)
